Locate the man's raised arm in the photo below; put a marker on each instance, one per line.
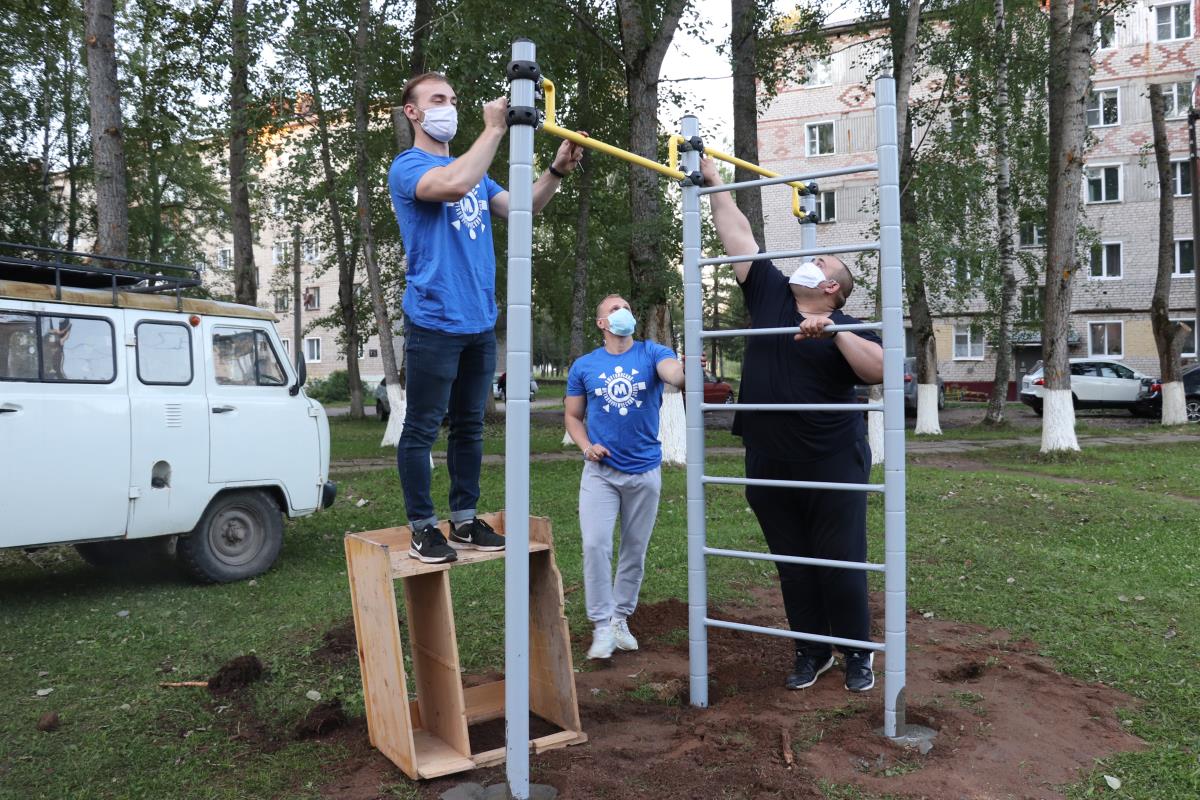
(732, 226)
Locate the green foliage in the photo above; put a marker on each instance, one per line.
(334, 388)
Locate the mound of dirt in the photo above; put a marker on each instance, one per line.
(236, 674)
(324, 718)
(338, 643)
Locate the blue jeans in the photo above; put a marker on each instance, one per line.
(447, 372)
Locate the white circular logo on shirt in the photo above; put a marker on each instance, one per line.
(469, 211)
(620, 390)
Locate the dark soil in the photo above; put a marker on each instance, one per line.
(324, 718)
(236, 674)
(490, 735)
(338, 643)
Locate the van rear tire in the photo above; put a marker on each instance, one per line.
(238, 537)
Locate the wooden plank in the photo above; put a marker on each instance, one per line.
(380, 656)
(551, 670)
(435, 659)
(553, 741)
(485, 702)
(490, 758)
(436, 757)
(397, 540)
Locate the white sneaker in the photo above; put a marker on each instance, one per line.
(603, 642)
(621, 635)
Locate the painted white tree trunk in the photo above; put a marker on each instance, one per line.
(567, 440)
(1174, 404)
(395, 423)
(875, 426)
(927, 410)
(1058, 422)
(672, 427)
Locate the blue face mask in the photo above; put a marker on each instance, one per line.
(621, 322)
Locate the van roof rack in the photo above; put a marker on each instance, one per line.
(47, 265)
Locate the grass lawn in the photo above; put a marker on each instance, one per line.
(1103, 575)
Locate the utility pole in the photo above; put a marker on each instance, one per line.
(1194, 165)
(297, 326)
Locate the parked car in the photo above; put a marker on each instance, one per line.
(717, 390)
(499, 387)
(862, 392)
(137, 416)
(1150, 404)
(383, 407)
(1095, 383)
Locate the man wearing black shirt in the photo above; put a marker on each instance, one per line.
(812, 367)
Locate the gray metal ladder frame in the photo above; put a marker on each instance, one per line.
(893, 488)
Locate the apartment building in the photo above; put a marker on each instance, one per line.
(827, 121)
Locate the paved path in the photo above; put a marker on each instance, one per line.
(369, 409)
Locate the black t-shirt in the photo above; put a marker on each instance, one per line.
(778, 369)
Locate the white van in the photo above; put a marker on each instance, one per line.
(128, 415)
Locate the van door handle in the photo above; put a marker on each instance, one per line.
(9, 408)
(223, 409)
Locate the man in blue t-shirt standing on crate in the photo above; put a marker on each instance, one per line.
(620, 386)
(444, 206)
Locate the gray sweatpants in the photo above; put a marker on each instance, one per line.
(605, 493)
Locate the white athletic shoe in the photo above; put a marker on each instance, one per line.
(603, 642)
(621, 635)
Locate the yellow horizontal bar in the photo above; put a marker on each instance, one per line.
(798, 188)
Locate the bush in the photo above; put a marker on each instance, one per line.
(334, 388)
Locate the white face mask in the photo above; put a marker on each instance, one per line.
(808, 275)
(441, 122)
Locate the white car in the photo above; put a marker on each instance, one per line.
(129, 417)
(1095, 383)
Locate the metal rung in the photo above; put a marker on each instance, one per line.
(814, 251)
(808, 176)
(729, 332)
(854, 644)
(812, 562)
(846, 487)
(792, 406)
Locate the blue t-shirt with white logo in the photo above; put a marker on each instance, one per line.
(624, 394)
(451, 278)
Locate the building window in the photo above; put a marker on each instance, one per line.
(1104, 108)
(312, 350)
(1184, 257)
(1105, 261)
(1174, 21)
(283, 303)
(819, 138)
(287, 346)
(1031, 303)
(1106, 33)
(1189, 345)
(968, 342)
(281, 253)
(1178, 99)
(827, 207)
(223, 258)
(311, 250)
(1032, 234)
(1106, 339)
(819, 73)
(1181, 178)
(1103, 184)
(312, 298)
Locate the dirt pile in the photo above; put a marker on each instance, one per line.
(236, 674)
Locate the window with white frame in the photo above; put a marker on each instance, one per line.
(819, 72)
(1104, 108)
(1178, 99)
(827, 207)
(312, 350)
(287, 346)
(1031, 303)
(312, 298)
(1103, 183)
(223, 259)
(1105, 263)
(1184, 258)
(1189, 344)
(283, 302)
(818, 137)
(1181, 178)
(281, 253)
(968, 342)
(1106, 33)
(1032, 234)
(1174, 21)
(1106, 339)
(311, 250)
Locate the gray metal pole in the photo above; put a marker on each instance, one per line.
(893, 408)
(808, 230)
(516, 432)
(693, 321)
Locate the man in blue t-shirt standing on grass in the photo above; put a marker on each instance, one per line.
(444, 206)
(620, 386)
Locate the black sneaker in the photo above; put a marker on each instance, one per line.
(860, 677)
(808, 668)
(429, 545)
(475, 535)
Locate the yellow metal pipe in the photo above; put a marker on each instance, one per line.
(798, 188)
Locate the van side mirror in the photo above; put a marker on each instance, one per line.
(301, 375)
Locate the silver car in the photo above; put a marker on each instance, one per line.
(1095, 383)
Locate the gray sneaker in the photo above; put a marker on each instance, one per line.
(475, 535)
(429, 546)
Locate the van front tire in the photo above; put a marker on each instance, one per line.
(238, 537)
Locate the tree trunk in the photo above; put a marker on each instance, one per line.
(362, 170)
(1169, 337)
(580, 315)
(422, 17)
(1004, 230)
(1072, 35)
(68, 100)
(45, 214)
(108, 145)
(245, 277)
(744, 41)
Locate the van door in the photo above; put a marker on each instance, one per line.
(258, 432)
(64, 425)
(169, 424)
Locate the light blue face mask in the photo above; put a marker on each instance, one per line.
(621, 322)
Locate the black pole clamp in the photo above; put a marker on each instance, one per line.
(524, 115)
(812, 188)
(810, 217)
(524, 70)
(694, 143)
(696, 179)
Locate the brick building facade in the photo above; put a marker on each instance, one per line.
(828, 121)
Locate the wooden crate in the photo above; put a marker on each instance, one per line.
(427, 737)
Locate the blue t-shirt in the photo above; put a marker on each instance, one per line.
(451, 279)
(624, 394)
